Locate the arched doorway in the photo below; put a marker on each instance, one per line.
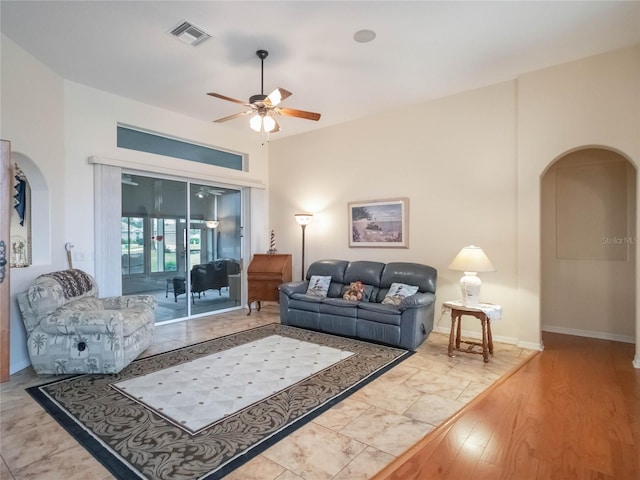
(588, 245)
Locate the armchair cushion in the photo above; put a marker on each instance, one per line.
(129, 301)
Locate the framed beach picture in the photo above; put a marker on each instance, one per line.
(379, 223)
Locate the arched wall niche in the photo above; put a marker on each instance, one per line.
(588, 243)
(586, 147)
(39, 207)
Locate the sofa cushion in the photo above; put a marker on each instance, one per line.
(319, 285)
(408, 273)
(339, 302)
(378, 312)
(302, 301)
(397, 292)
(368, 273)
(334, 268)
(339, 307)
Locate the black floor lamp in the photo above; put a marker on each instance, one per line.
(303, 220)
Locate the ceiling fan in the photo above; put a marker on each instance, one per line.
(265, 107)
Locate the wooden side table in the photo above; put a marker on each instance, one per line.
(265, 274)
(482, 312)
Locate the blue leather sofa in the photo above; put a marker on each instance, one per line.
(405, 325)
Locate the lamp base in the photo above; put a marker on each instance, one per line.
(470, 288)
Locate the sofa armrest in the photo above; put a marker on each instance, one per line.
(88, 322)
(294, 287)
(416, 301)
(129, 301)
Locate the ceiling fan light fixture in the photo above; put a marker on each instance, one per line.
(268, 123)
(256, 122)
(263, 108)
(262, 122)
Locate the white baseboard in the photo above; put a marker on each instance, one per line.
(636, 362)
(589, 333)
(531, 346)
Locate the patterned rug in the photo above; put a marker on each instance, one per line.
(201, 411)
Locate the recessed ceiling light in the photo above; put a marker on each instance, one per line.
(364, 36)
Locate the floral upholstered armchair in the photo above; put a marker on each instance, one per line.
(71, 330)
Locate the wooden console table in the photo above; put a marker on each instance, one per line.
(483, 312)
(265, 274)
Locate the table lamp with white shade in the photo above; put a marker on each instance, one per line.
(471, 260)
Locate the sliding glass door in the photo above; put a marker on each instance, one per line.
(181, 242)
(214, 247)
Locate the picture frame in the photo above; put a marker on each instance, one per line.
(379, 223)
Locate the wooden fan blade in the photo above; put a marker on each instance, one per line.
(231, 117)
(275, 97)
(224, 97)
(292, 112)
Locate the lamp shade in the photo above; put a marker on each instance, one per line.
(262, 122)
(268, 123)
(472, 259)
(256, 123)
(303, 218)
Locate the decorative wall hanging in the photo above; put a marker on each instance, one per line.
(379, 223)
(20, 198)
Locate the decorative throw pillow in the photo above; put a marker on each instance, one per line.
(397, 292)
(319, 285)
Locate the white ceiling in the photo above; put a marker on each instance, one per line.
(423, 49)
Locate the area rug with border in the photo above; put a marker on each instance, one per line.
(201, 411)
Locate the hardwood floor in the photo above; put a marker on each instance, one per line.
(572, 412)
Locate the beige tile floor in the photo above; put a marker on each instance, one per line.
(351, 441)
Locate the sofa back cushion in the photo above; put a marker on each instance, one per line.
(368, 273)
(422, 276)
(333, 268)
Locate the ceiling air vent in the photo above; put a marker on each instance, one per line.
(189, 33)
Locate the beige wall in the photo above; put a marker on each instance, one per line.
(55, 125)
(590, 102)
(471, 165)
(91, 117)
(33, 120)
(455, 160)
(588, 246)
